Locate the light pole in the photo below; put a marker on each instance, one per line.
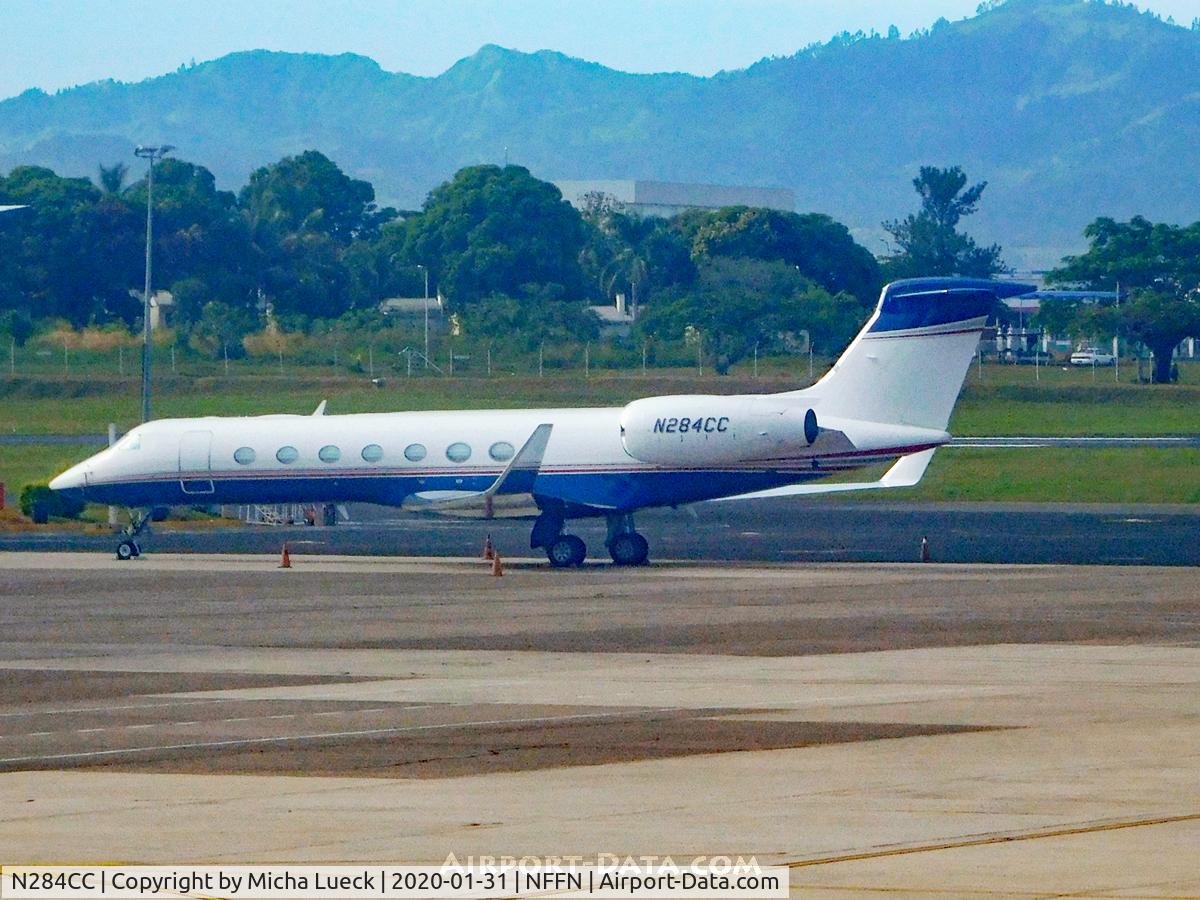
(425, 272)
(152, 154)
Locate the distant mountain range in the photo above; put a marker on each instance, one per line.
(1069, 109)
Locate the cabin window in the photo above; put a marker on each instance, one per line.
(501, 451)
(244, 455)
(414, 452)
(372, 453)
(130, 442)
(287, 455)
(458, 452)
(329, 453)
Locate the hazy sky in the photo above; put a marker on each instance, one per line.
(58, 43)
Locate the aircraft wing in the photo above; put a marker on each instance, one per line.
(905, 472)
(516, 501)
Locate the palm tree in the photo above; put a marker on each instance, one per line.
(112, 178)
(627, 266)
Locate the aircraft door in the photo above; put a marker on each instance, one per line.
(195, 462)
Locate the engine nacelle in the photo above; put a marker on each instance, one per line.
(711, 430)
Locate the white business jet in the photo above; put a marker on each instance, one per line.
(889, 397)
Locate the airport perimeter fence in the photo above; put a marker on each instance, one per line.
(394, 353)
(388, 356)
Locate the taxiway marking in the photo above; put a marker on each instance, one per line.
(1002, 838)
(333, 712)
(369, 732)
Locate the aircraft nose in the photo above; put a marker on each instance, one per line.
(70, 480)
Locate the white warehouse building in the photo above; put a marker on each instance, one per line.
(669, 198)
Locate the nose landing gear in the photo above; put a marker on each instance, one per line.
(129, 548)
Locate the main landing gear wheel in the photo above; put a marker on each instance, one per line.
(566, 552)
(629, 549)
(127, 550)
(625, 545)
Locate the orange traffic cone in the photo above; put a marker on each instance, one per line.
(488, 550)
(285, 561)
(497, 568)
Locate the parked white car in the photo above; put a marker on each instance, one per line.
(1092, 358)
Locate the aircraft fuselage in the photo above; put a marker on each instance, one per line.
(386, 458)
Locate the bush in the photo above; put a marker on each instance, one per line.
(271, 342)
(57, 505)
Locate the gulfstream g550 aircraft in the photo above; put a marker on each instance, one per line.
(888, 397)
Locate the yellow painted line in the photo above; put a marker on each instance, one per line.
(992, 839)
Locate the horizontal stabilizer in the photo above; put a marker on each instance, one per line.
(905, 472)
(472, 505)
(483, 504)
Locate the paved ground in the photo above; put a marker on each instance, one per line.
(990, 731)
(786, 530)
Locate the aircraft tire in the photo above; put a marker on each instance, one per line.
(629, 549)
(566, 552)
(127, 550)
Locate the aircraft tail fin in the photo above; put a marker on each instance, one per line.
(908, 363)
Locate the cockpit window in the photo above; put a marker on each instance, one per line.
(130, 442)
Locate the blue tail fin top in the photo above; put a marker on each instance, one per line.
(929, 302)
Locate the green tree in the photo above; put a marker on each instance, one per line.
(377, 268)
(1158, 264)
(305, 276)
(73, 255)
(737, 303)
(630, 254)
(303, 215)
(1058, 316)
(202, 247)
(1161, 320)
(310, 193)
(491, 230)
(528, 321)
(928, 242)
(1134, 254)
(16, 325)
(220, 330)
(821, 248)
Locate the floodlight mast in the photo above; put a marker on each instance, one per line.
(425, 272)
(151, 154)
